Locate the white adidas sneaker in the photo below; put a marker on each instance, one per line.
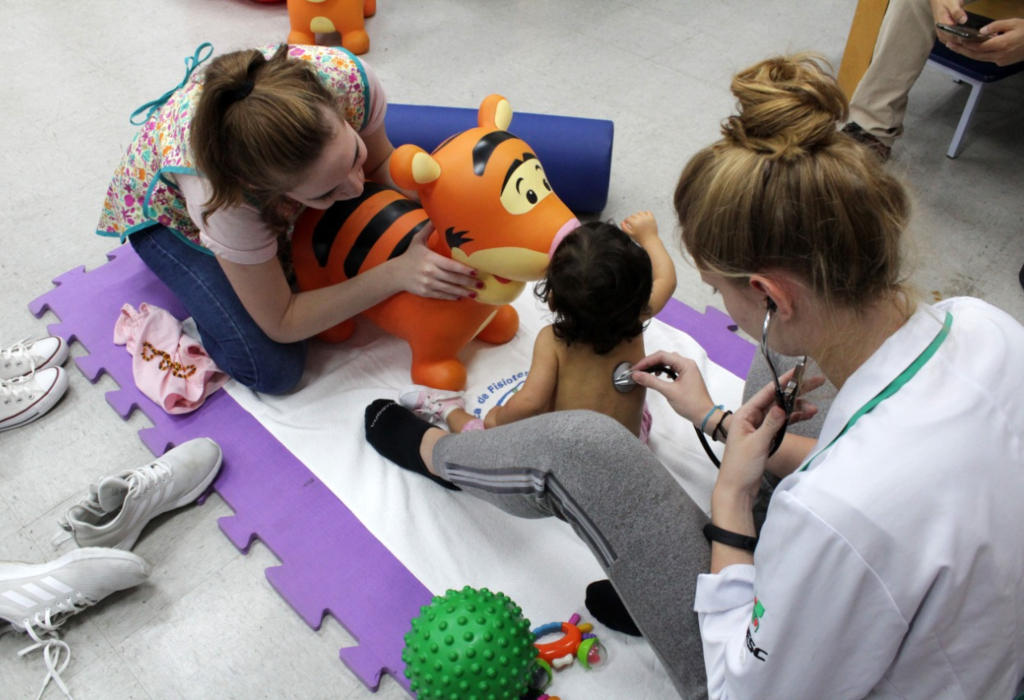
(28, 356)
(38, 598)
(24, 399)
(119, 506)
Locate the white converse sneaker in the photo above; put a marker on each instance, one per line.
(28, 356)
(24, 399)
(432, 404)
(118, 507)
(37, 598)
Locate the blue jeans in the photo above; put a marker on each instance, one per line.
(229, 334)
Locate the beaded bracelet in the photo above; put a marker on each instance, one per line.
(704, 422)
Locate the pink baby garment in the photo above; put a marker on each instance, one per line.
(169, 366)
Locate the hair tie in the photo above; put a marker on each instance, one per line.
(240, 93)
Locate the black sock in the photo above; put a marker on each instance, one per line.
(607, 608)
(396, 434)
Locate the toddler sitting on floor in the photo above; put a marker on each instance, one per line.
(602, 288)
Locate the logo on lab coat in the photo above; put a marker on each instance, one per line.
(755, 622)
(758, 614)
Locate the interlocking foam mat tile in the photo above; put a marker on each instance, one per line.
(331, 564)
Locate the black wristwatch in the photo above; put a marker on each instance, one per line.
(716, 534)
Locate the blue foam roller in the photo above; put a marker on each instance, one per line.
(576, 152)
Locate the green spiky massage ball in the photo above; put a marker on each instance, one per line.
(470, 645)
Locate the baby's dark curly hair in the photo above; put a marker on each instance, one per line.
(599, 283)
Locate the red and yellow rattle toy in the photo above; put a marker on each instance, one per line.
(577, 643)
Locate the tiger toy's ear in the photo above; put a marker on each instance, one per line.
(495, 113)
(412, 167)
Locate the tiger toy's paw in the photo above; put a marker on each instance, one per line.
(449, 375)
(502, 327)
(356, 40)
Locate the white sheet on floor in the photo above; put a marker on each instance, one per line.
(449, 540)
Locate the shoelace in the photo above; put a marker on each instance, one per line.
(433, 406)
(18, 389)
(19, 351)
(152, 474)
(43, 631)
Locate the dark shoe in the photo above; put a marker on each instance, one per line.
(854, 131)
(1021, 277)
(604, 603)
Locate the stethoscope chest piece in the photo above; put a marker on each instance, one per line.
(622, 375)
(622, 378)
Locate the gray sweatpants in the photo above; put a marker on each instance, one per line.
(588, 470)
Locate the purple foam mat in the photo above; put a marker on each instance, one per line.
(715, 332)
(331, 564)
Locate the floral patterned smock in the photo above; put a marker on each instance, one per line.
(141, 195)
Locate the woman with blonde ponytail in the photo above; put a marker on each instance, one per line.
(890, 562)
(209, 189)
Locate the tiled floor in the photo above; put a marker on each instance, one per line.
(208, 624)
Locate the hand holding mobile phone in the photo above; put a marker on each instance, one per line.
(963, 33)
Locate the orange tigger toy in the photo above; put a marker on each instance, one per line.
(311, 17)
(492, 209)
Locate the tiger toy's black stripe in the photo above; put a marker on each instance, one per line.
(403, 244)
(372, 232)
(334, 218)
(484, 148)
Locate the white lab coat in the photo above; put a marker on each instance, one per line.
(894, 566)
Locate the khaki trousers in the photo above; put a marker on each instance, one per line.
(904, 43)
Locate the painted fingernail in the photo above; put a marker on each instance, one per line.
(472, 295)
(479, 285)
(472, 273)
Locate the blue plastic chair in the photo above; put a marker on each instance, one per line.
(977, 74)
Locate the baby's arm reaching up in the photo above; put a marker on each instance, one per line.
(644, 230)
(538, 392)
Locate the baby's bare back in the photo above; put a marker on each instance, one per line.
(585, 382)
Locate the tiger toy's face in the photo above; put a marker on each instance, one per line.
(490, 201)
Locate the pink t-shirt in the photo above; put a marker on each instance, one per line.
(240, 234)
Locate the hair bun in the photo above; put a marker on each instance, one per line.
(788, 105)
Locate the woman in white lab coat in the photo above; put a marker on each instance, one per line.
(891, 560)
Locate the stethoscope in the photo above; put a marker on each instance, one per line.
(622, 380)
(622, 375)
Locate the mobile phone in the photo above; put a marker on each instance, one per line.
(962, 32)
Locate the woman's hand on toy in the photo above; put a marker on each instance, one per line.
(423, 272)
(687, 394)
